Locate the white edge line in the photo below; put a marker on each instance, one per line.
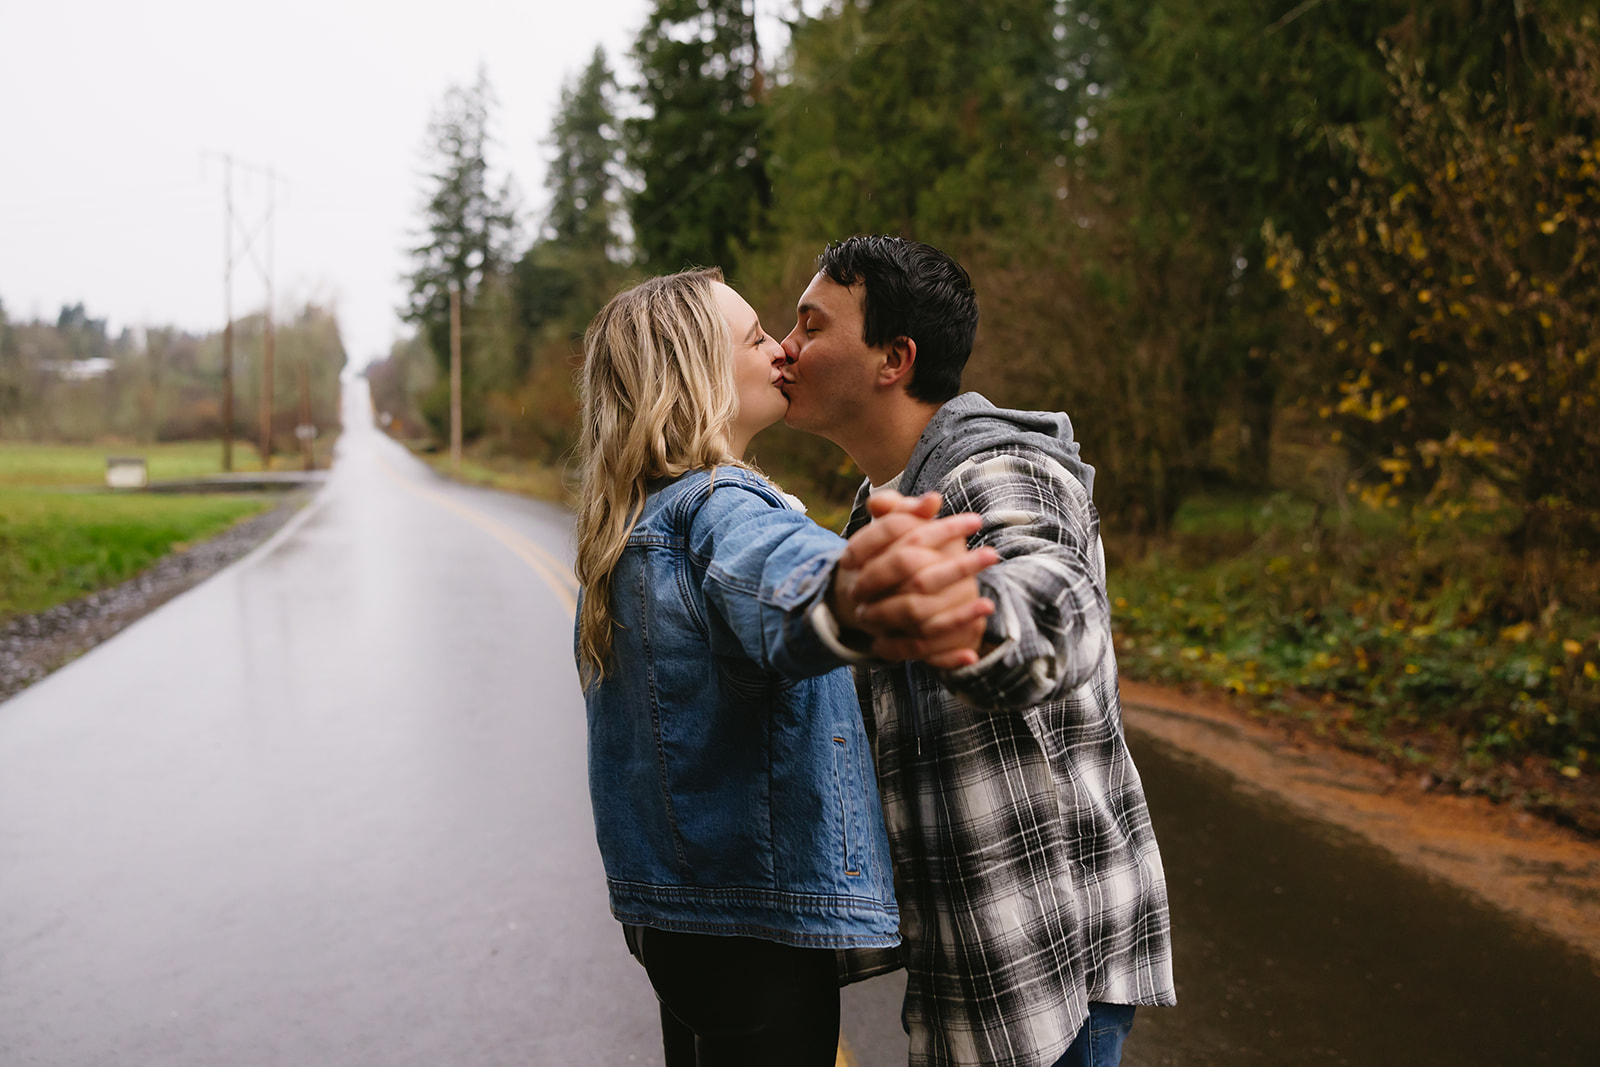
(283, 533)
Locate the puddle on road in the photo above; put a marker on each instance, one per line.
(1300, 944)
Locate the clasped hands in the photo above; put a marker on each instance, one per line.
(906, 583)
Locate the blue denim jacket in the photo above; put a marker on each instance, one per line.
(732, 787)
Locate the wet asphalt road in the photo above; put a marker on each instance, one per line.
(1297, 944)
(327, 808)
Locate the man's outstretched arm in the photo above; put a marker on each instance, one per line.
(1052, 624)
(937, 613)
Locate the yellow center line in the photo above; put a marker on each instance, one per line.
(554, 573)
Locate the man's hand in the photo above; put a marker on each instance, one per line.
(906, 579)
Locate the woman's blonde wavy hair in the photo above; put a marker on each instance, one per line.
(658, 400)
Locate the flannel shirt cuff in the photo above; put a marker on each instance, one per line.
(832, 635)
(968, 678)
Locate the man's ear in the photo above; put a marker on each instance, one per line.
(899, 358)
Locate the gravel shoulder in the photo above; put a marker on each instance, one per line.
(1543, 874)
(32, 646)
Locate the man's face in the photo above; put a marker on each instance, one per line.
(830, 373)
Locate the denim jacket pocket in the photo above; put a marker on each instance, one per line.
(850, 822)
(745, 681)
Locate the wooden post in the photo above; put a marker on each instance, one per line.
(269, 338)
(304, 429)
(227, 312)
(455, 377)
(227, 395)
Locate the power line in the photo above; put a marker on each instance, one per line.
(234, 226)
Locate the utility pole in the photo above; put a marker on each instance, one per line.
(269, 336)
(455, 377)
(227, 313)
(305, 430)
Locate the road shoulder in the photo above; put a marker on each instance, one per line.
(1543, 874)
(33, 646)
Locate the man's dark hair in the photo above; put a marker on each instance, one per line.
(912, 290)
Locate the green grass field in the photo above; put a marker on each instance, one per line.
(85, 465)
(57, 543)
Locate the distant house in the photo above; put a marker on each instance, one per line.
(83, 370)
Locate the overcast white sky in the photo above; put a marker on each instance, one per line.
(107, 108)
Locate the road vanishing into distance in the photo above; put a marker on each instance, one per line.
(330, 808)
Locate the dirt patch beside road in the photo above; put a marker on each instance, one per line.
(31, 646)
(1541, 873)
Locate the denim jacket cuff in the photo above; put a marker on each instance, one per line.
(828, 629)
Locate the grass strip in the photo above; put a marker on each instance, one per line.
(507, 473)
(46, 465)
(57, 546)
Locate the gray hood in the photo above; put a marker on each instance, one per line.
(969, 425)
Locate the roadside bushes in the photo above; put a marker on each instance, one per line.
(1452, 301)
(1414, 649)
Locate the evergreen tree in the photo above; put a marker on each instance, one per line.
(1219, 114)
(85, 337)
(581, 178)
(927, 118)
(11, 371)
(566, 273)
(468, 226)
(696, 154)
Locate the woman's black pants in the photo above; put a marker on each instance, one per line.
(741, 1001)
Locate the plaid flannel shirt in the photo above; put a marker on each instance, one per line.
(1025, 865)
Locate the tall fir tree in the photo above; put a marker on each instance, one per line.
(582, 177)
(469, 227)
(927, 118)
(468, 224)
(1224, 113)
(566, 273)
(696, 155)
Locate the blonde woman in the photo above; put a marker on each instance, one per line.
(728, 767)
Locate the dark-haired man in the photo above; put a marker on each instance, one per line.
(1032, 900)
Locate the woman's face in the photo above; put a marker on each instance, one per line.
(757, 370)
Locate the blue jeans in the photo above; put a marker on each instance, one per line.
(1099, 1043)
